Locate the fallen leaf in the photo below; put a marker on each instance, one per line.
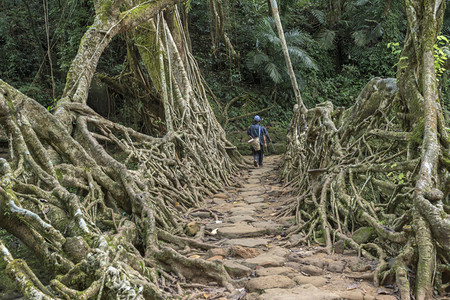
(194, 256)
(207, 296)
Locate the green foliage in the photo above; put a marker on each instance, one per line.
(440, 56)
(441, 52)
(395, 48)
(23, 40)
(267, 59)
(396, 177)
(334, 53)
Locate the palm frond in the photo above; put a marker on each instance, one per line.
(377, 31)
(361, 37)
(256, 59)
(361, 2)
(319, 15)
(326, 38)
(265, 32)
(297, 37)
(273, 72)
(300, 54)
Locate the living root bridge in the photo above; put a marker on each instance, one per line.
(98, 202)
(110, 213)
(358, 186)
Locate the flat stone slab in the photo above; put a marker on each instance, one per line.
(246, 242)
(241, 219)
(275, 271)
(279, 251)
(244, 252)
(255, 181)
(219, 201)
(303, 292)
(242, 210)
(269, 282)
(311, 270)
(254, 185)
(240, 230)
(320, 262)
(354, 295)
(317, 281)
(270, 227)
(248, 193)
(258, 206)
(254, 199)
(236, 270)
(265, 260)
(212, 226)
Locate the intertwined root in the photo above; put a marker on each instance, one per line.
(355, 170)
(95, 199)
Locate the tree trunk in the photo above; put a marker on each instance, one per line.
(276, 16)
(419, 91)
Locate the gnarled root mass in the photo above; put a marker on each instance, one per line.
(356, 172)
(99, 202)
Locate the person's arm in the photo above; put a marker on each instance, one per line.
(266, 133)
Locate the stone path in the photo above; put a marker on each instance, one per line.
(254, 252)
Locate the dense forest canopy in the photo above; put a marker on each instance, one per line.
(335, 47)
(112, 114)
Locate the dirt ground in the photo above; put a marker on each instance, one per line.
(255, 249)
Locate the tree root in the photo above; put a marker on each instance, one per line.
(96, 199)
(349, 179)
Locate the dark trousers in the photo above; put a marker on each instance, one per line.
(258, 156)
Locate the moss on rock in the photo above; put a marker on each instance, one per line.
(363, 235)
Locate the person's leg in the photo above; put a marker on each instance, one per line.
(261, 156)
(255, 157)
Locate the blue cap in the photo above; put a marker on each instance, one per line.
(257, 118)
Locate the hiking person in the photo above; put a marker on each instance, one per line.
(257, 131)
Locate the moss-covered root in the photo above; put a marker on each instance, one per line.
(399, 269)
(25, 280)
(197, 269)
(425, 265)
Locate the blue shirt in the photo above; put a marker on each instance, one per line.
(257, 130)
